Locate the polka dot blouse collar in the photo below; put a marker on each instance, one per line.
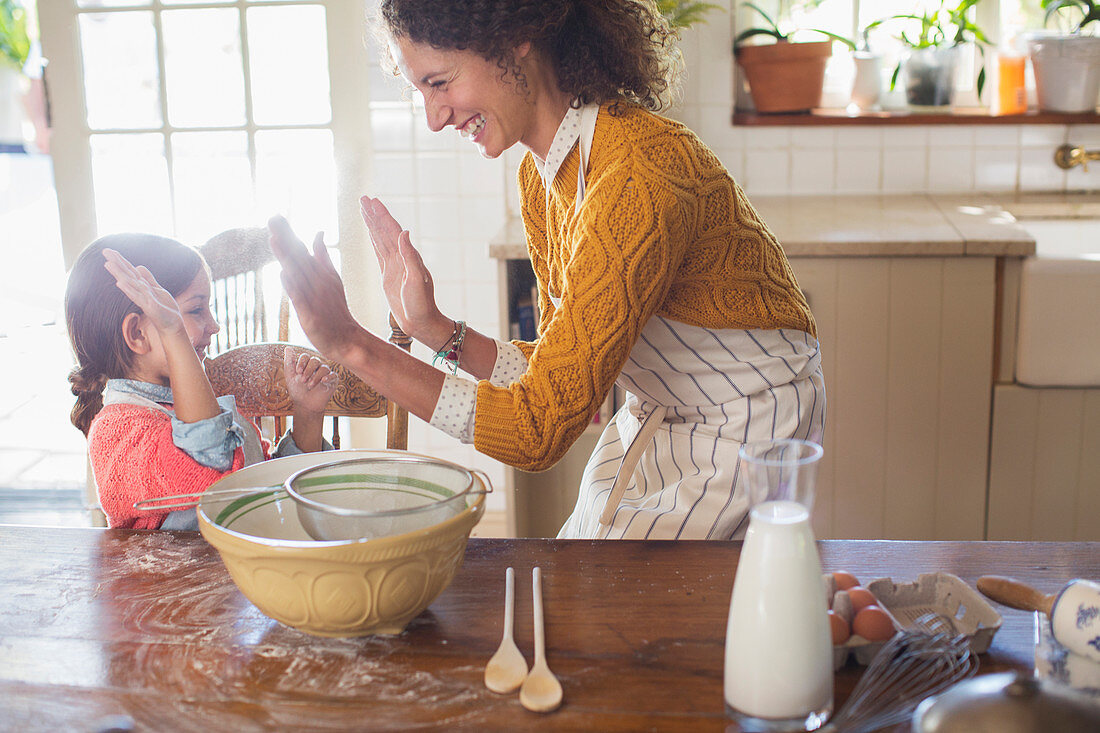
(569, 131)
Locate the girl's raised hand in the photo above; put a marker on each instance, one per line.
(142, 288)
(405, 279)
(309, 381)
(315, 288)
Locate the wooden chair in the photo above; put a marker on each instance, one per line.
(237, 258)
(254, 374)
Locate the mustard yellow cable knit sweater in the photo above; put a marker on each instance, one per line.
(663, 230)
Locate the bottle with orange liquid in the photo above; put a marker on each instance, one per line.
(1011, 98)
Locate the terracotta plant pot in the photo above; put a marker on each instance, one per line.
(784, 76)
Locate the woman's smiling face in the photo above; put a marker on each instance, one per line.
(477, 97)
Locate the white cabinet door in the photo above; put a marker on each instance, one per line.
(908, 359)
(1044, 481)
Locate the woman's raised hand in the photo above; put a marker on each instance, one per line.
(315, 288)
(142, 288)
(405, 279)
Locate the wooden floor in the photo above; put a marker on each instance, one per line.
(43, 508)
(42, 456)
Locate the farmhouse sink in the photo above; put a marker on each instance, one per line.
(1058, 336)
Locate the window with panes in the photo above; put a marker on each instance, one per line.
(197, 115)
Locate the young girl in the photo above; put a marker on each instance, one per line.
(137, 308)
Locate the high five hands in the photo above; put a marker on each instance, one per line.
(406, 281)
(317, 291)
(314, 286)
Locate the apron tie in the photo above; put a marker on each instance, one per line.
(648, 428)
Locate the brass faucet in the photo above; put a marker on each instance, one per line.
(1067, 156)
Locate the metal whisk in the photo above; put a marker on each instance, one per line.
(922, 660)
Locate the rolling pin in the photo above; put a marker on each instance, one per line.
(1074, 611)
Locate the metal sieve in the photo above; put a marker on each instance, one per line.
(378, 496)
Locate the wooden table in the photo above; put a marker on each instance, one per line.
(148, 625)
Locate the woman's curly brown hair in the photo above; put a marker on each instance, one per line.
(622, 50)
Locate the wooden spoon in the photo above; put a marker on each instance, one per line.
(541, 691)
(507, 668)
(1015, 594)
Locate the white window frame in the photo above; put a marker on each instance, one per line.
(71, 135)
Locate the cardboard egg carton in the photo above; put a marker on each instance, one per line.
(940, 593)
(862, 649)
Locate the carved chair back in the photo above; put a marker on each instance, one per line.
(254, 374)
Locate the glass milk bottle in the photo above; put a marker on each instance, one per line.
(778, 668)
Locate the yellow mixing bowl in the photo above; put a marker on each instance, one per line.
(328, 588)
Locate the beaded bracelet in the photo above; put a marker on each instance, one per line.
(453, 355)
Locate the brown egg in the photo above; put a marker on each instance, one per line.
(861, 597)
(873, 624)
(839, 627)
(844, 580)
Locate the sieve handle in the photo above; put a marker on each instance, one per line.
(178, 501)
(485, 478)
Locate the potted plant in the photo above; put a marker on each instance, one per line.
(932, 52)
(15, 46)
(684, 13)
(1067, 63)
(784, 76)
(867, 76)
(15, 43)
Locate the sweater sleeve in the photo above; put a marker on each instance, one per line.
(133, 458)
(624, 251)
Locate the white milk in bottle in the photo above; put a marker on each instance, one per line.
(778, 666)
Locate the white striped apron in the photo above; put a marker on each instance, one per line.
(704, 392)
(667, 465)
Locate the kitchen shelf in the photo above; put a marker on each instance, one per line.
(957, 116)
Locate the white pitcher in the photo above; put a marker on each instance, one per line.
(867, 82)
(778, 667)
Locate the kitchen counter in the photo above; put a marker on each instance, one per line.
(148, 625)
(884, 225)
(895, 226)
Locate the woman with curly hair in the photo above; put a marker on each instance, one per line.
(654, 271)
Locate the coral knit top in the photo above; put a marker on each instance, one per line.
(663, 230)
(134, 457)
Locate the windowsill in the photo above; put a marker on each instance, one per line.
(956, 116)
